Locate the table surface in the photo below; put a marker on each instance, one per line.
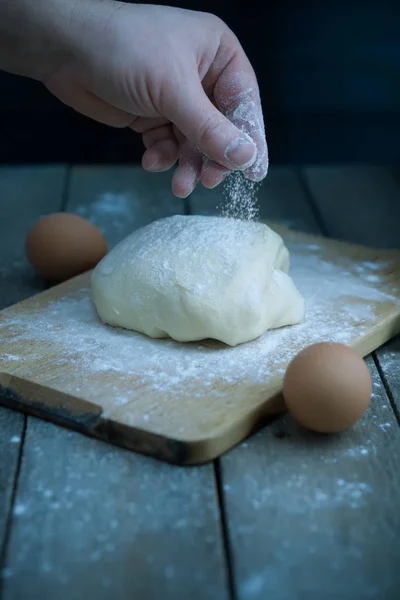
(286, 515)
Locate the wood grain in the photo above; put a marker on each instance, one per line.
(388, 357)
(98, 520)
(291, 531)
(312, 516)
(44, 375)
(11, 427)
(369, 199)
(358, 204)
(92, 520)
(119, 199)
(328, 532)
(26, 193)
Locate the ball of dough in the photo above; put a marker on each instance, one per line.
(197, 277)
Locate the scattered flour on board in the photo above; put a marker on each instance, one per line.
(340, 304)
(7, 356)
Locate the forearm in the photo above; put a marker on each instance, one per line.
(28, 29)
(35, 35)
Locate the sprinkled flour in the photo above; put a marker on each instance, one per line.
(240, 198)
(239, 192)
(155, 383)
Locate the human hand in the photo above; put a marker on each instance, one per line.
(178, 77)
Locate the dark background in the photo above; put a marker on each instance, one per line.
(329, 74)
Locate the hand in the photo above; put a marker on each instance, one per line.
(180, 78)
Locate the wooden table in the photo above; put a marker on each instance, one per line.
(286, 515)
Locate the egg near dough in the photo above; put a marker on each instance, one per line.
(62, 245)
(327, 387)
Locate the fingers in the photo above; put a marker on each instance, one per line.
(162, 149)
(187, 174)
(206, 127)
(212, 174)
(159, 134)
(160, 157)
(236, 94)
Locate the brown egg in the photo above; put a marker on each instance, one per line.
(327, 387)
(62, 245)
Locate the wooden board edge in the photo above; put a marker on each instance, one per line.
(388, 329)
(87, 418)
(27, 396)
(192, 452)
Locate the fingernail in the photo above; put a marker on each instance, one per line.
(183, 195)
(155, 166)
(219, 180)
(241, 153)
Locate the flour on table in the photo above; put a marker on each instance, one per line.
(340, 305)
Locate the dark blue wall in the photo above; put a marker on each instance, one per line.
(329, 74)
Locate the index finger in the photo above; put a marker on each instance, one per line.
(237, 96)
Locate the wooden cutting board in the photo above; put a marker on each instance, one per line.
(187, 403)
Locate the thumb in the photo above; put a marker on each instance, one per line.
(191, 111)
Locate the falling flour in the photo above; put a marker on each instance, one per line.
(239, 192)
(240, 198)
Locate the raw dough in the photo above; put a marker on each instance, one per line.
(197, 277)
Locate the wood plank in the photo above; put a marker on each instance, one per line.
(11, 427)
(121, 386)
(363, 204)
(25, 194)
(298, 507)
(101, 519)
(388, 357)
(358, 204)
(92, 520)
(119, 199)
(314, 516)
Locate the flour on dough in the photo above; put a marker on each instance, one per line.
(197, 277)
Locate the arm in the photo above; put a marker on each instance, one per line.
(31, 36)
(178, 77)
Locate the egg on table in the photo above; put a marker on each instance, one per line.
(327, 387)
(62, 245)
